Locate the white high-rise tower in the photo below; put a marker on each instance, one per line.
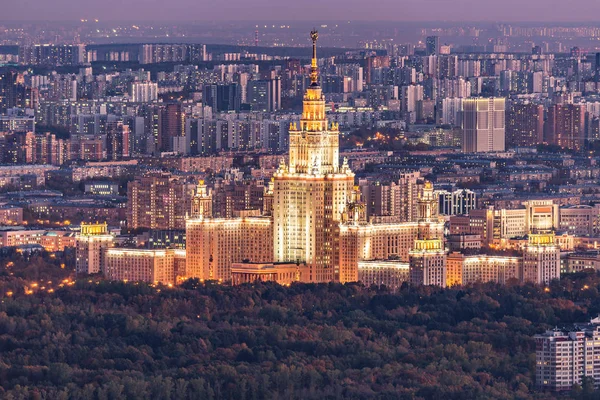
(483, 125)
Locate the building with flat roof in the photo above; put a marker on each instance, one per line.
(166, 266)
(389, 273)
(92, 240)
(483, 125)
(541, 259)
(282, 273)
(468, 269)
(565, 356)
(427, 265)
(214, 244)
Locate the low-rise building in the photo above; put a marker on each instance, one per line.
(282, 273)
(11, 215)
(17, 236)
(581, 261)
(102, 188)
(464, 242)
(389, 273)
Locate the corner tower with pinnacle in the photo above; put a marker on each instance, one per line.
(312, 190)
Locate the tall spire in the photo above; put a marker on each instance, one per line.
(314, 71)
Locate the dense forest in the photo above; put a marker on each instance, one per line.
(107, 340)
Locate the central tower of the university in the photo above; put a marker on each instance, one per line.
(311, 192)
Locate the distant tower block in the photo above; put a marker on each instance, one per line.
(256, 38)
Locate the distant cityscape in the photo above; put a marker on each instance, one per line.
(394, 155)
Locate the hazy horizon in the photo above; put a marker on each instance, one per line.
(544, 11)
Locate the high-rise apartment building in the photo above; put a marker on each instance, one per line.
(483, 125)
(34, 148)
(432, 45)
(8, 83)
(264, 95)
(49, 149)
(158, 201)
(143, 92)
(409, 195)
(373, 63)
(393, 202)
(222, 98)
(524, 125)
(411, 95)
(171, 52)
(457, 202)
(563, 357)
(151, 138)
(381, 200)
(565, 126)
(172, 126)
(233, 197)
(354, 73)
(117, 140)
(52, 55)
(450, 111)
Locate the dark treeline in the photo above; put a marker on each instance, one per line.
(106, 340)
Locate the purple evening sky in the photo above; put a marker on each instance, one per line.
(289, 10)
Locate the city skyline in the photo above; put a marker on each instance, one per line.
(211, 210)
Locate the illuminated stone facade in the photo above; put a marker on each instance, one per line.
(428, 263)
(317, 217)
(202, 202)
(362, 241)
(92, 239)
(541, 259)
(214, 244)
(143, 265)
(373, 242)
(467, 269)
(284, 274)
(310, 192)
(389, 273)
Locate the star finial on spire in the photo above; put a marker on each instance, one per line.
(314, 71)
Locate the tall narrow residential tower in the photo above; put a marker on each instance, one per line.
(311, 192)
